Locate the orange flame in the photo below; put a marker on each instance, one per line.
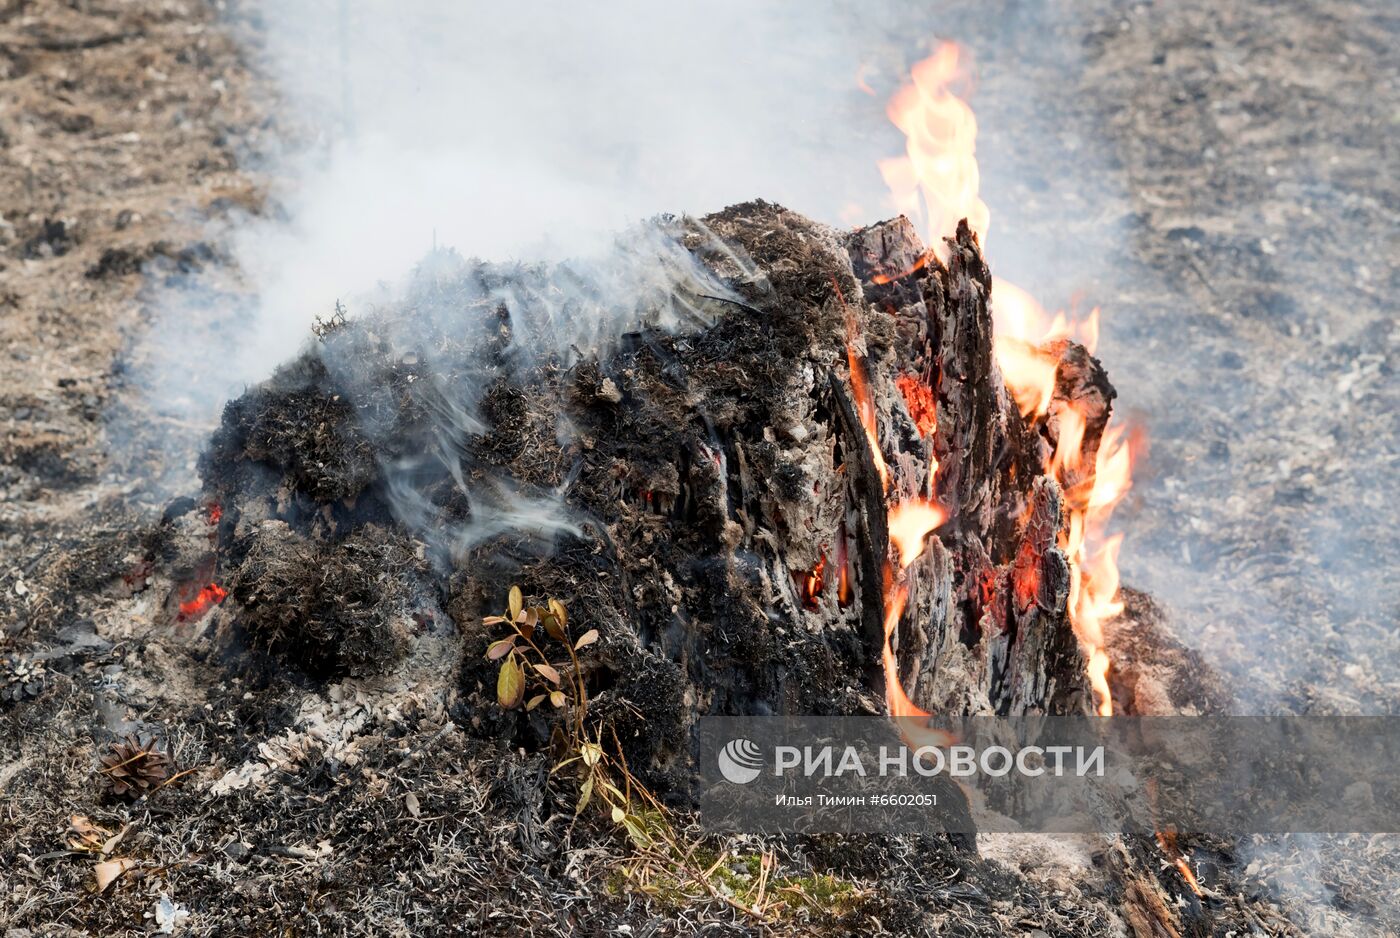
(909, 523)
(911, 719)
(896, 699)
(937, 182)
(1094, 580)
(1167, 841)
(1093, 590)
(1020, 326)
(1068, 457)
(884, 277)
(211, 595)
(860, 390)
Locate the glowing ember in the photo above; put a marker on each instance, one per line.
(211, 595)
(937, 182)
(216, 512)
(918, 397)
(811, 584)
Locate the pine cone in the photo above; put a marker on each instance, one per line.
(134, 766)
(21, 678)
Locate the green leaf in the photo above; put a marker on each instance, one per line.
(618, 814)
(592, 754)
(499, 650)
(584, 794)
(510, 684)
(517, 602)
(636, 831)
(548, 673)
(586, 639)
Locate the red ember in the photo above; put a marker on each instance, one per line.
(211, 595)
(918, 396)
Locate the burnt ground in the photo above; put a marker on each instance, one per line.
(1225, 168)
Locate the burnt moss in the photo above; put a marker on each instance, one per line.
(328, 608)
(300, 426)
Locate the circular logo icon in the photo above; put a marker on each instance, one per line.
(740, 761)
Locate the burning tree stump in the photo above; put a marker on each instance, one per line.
(722, 500)
(788, 478)
(987, 628)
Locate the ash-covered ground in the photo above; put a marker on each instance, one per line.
(1226, 166)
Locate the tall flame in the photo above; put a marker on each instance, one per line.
(937, 182)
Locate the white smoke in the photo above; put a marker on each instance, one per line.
(537, 130)
(526, 132)
(463, 327)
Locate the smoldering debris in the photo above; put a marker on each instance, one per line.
(332, 607)
(689, 476)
